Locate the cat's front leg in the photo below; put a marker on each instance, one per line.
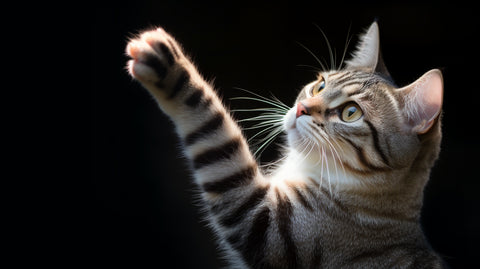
(213, 142)
(242, 204)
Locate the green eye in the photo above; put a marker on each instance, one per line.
(318, 87)
(351, 112)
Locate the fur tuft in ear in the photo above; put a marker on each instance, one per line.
(422, 101)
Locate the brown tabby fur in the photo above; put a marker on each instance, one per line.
(347, 194)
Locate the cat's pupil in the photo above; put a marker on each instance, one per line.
(351, 111)
(322, 85)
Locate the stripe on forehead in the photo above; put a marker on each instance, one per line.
(332, 94)
(338, 75)
(347, 84)
(355, 78)
(335, 92)
(344, 79)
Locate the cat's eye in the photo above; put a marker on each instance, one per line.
(317, 88)
(351, 112)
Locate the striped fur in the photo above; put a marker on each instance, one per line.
(346, 195)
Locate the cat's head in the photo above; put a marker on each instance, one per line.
(357, 119)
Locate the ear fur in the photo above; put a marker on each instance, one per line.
(422, 101)
(367, 55)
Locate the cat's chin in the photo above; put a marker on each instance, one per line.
(299, 142)
(294, 138)
(289, 120)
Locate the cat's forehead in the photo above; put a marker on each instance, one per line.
(352, 82)
(343, 76)
(341, 84)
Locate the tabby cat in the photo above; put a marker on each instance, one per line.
(348, 191)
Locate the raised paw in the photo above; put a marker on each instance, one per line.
(155, 57)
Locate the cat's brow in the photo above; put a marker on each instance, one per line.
(339, 74)
(333, 95)
(356, 92)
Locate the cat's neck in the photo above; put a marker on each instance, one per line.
(353, 191)
(327, 172)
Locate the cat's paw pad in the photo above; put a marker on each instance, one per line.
(154, 54)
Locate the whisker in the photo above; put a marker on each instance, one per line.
(263, 124)
(335, 156)
(274, 163)
(268, 109)
(311, 148)
(335, 165)
(272, 136)
(347, 42)
(315, 69)
(276, 102)
(280, 102)
(314, 56)
(261, 132)
(323, 162)
(338, 155)
(332, 60)
(305, 148)
(285, 108)
(270, 123)
(328, 171)
(261, 118)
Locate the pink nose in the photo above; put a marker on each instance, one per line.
(302, 110)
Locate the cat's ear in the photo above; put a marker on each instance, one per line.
(367, 55)
(421, 101)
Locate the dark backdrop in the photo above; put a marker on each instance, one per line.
(142, 208)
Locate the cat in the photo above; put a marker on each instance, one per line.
(349, 189)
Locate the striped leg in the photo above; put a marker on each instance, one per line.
(233, 187)
(213, 142)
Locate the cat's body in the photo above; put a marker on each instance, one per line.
(348, 193)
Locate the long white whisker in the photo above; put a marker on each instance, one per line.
(338, 155)
(335, 165)
(328, 171)
(312, 146)
(261, 117)
(268, 124)
(258, 95)
(273, 135)
(273, 101)
(268, 165)
(262, 131)
(261, 100)
(263, 124)
(307, 147)
(315, 69)
(347, 42)
(332, 60)
(314, 56)
(335, 155)
(321, 172)
(280, 102)
(273, 131)
(268, 109)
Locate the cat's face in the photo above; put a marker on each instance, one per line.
(358, 120)
(349, 116)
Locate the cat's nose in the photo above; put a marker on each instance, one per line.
(302, 110)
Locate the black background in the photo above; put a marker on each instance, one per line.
(142, 207)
